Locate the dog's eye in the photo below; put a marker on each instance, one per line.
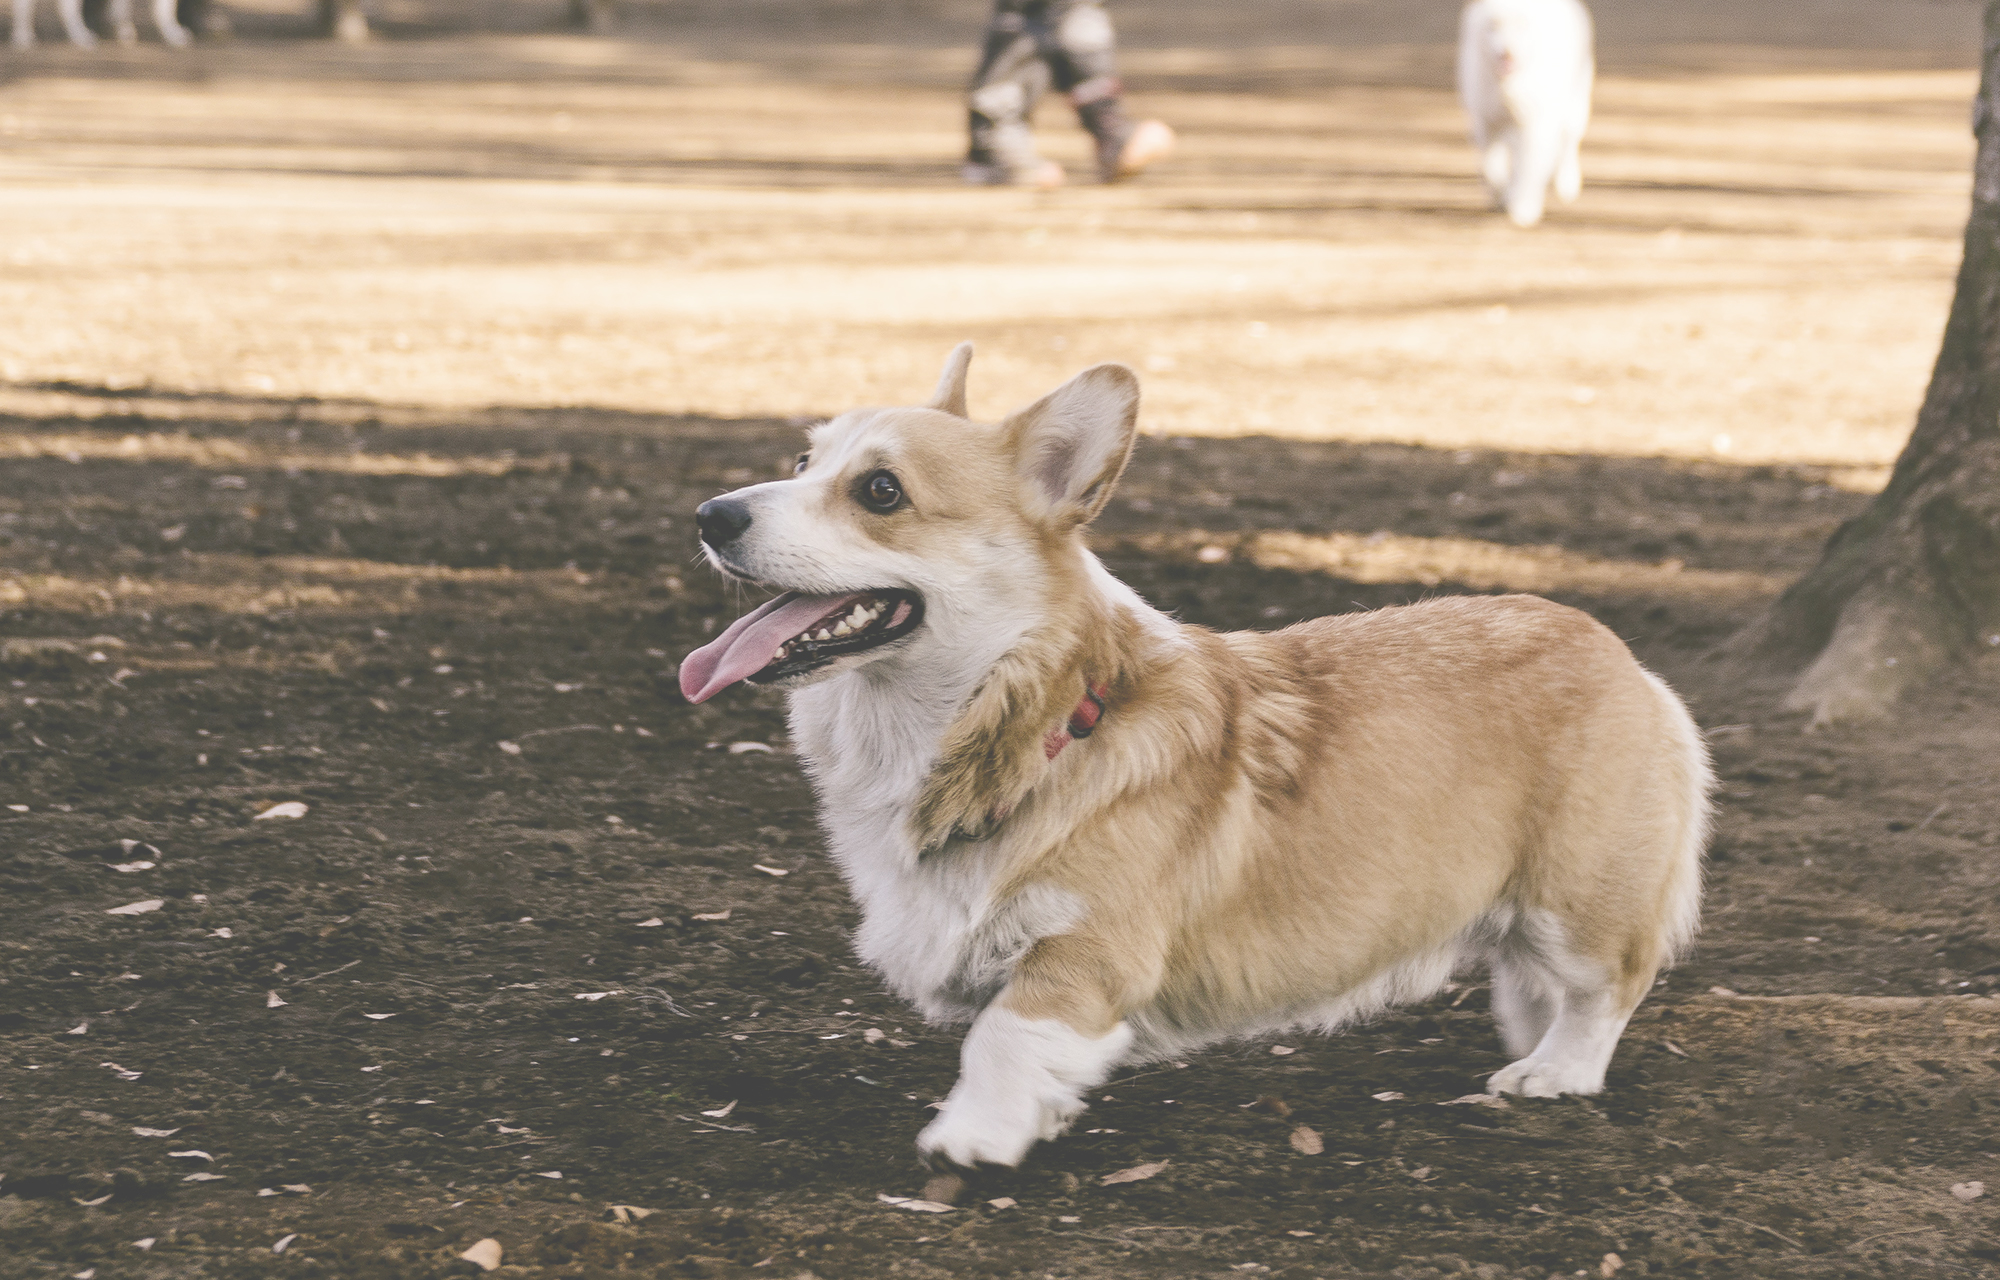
(800, 469)
(882, 491)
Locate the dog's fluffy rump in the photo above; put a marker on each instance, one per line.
(1266, 829)
(1525, 71)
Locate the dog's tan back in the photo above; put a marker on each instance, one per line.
(1263, 830)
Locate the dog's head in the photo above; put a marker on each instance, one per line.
(914, 530)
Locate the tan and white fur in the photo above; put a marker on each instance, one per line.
(1266, 830)
(1525, 72)
(71, 12)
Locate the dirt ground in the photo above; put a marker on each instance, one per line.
(355, 407)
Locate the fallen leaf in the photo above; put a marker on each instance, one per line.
(203, 1177)
(378, 1017)
(1421, 1174)
(511, 748)
(1492, 1100)
(145, 1244)
(630, 1213)
(1720, 991)
(1270, 1102)
(1610, 1265)
(137, 908)
(873, 1034)
(1069, 1219)
(272, 1000)
(191, 1154)
(720, 1113)
(594, 996)
(485, 1254)
(739, 748)
(1137, 1173)
(221, 933)
(1968, 1190)
(714, 915)
(1282, 1050)
(267, 1191)
(156, 1133)
(88, 1273)
(1307, 1142)
(1303, 1235)
(284, 1243)
(654, 923)
(289, 809)
(297, 1188)
(79, 1029)
(1678, 1052)
(770, 871)
(915, 1206)
(123, 1074)
(553, 1173)
(92, 1204)
(129, 867)
(1388, 1095)
(1004, 1202)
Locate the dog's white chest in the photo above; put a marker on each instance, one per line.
(932, 926)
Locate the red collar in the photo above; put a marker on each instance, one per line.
(1082, 722)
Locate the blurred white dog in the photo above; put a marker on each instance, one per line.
(80, 35)
(1525, 69)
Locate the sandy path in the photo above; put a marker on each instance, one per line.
(1758, 269)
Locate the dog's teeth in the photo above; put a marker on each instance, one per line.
(824, 634)
(841, 628)
(779, 656)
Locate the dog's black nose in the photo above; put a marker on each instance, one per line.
(722, 521)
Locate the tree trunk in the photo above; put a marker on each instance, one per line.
(1913, 583)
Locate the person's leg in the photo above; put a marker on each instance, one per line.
(1082, 52)
(1011, 79)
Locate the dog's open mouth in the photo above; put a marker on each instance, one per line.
(797, 633)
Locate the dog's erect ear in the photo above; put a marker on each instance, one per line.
(950, 394)
(1071, 444)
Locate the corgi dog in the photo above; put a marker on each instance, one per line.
(80, 34)
(1525, 72)
(1101, 836)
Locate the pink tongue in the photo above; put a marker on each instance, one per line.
(747, 646)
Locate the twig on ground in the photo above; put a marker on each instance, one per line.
(330, 972)
(1775, 1235)
(1884, 1235)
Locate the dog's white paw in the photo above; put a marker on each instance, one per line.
(1545, 1078)
(975, 1131)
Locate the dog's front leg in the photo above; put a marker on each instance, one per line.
(1025, 1066)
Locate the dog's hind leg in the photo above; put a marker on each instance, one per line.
(1569, 173)
(1525, 1003)
(1572, 1054)
(169, 24)
(71, 12)
(1027, 1062)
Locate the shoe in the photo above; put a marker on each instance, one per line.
(1046, 175)
(1151, 141)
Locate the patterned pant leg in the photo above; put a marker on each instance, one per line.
(1013, 75)
(1082, 53)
